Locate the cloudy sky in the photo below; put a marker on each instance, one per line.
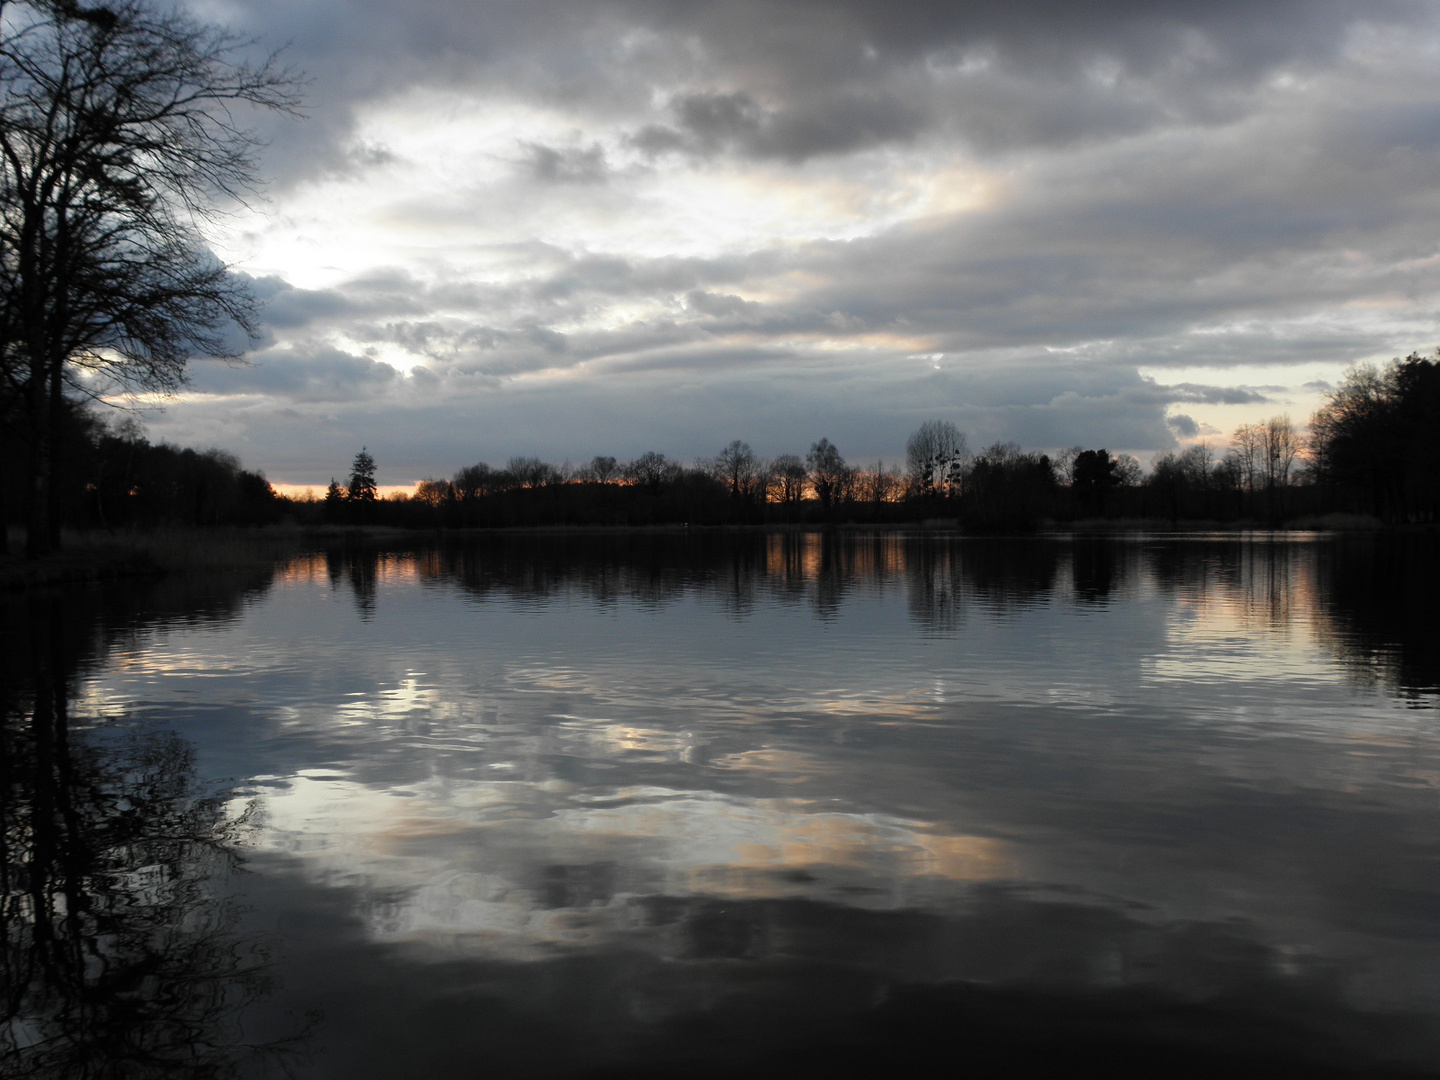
(609, 226)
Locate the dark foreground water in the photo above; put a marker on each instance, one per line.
(789, 805)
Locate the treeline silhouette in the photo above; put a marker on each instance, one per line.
(1374, 448)
(113, 477)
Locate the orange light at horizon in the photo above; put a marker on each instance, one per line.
(317, 491)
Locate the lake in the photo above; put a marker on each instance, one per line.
(727, 804)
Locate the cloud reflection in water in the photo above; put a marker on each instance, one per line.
(1021, 763)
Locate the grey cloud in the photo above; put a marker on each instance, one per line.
(566, 165)
(715, 119)
(725, 305)
(341, 158)
(285, 307)
(318, 374)
(706, 123)
(1183, 425)
(1114, 247)
(658, 139)
(376, 294)
(1213, 395)
(546, 339)
(1147, 36)
(698, 357)
(370, 155)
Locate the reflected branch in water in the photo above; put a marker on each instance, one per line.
(121, 953)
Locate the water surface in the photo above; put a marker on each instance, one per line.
(585, 804)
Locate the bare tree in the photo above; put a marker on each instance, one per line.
(473, 481)
(879, 485)
(1128, 473)
(651, 470)
(1198, 465)
(828, 473)
(735, 467)
(118, 134)
(1377, 438)
(763, 481)
(1064, 463)
(433, 493)
(790, 476)
(936, 456)
(604, 469)
(1247, 451)
(531, 472)
(1282, 447)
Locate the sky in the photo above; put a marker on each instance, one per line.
(516, 227)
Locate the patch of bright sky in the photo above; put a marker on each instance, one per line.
(459, 182)
(1284, 384)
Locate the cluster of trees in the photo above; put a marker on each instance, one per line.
(1375, 444)
(1000, 487)
(1253, 478)
(1372, 448)
(735, 486)
(111, 476)
(118, 129)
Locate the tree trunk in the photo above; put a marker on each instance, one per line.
(57, 443)
(4, 479)
(37, 509)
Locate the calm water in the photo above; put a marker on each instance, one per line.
(671, 805)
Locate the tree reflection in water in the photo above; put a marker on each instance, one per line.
(121, 957)
(1370, 596)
